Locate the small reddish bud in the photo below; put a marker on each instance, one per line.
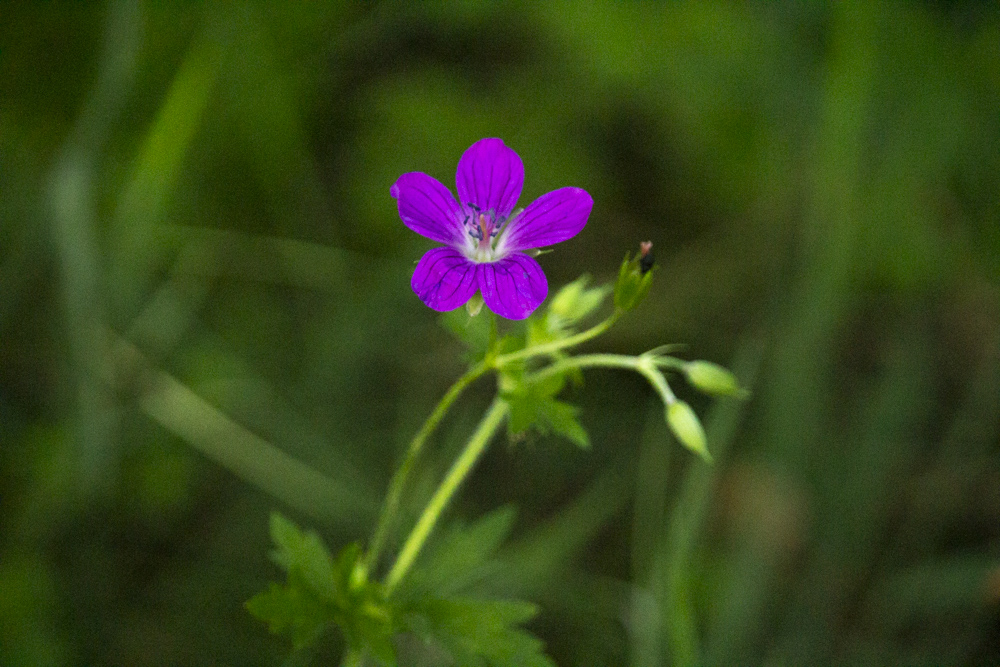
(645, 256)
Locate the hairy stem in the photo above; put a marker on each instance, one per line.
(398, 482)
(458, 472)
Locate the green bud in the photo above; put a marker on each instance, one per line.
(684, 423)
(474, 305)
(634, 279)
(713, 379)
(575, 301)
(565, 299)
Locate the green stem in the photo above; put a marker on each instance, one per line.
(587, 361)
(392, 498)
(458, 472)
(555, 346)
(655, 377)
(645, 365)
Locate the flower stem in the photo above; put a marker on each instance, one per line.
(645, 365)
(588, 361)
(555, 346)
(392, 498)
(458, 472)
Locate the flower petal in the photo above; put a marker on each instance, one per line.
(553, 217)
(444, 279)
(490, 175)
(513, 287)
(428, 208)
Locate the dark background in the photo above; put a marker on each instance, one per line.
(201, 192)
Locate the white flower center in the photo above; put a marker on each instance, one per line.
(484, 229)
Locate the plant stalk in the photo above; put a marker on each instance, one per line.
(555, 346)
(399, 478)
(643, 364)
(458, 472)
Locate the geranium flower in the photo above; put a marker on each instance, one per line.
(486, 238)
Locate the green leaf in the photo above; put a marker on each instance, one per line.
(303, 555)
(474, 332)
(291, 608)
(322, 590)
(539, 333)
(533, 405)
(476, 632)
(485, 632)
(562, 418)
(523, 413)
(460, 556)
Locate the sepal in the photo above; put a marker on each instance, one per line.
(634, 279)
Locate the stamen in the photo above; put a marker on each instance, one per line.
(484, 228)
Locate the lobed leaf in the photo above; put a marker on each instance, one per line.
(302, 554)
(485, 632)
(293, 609)
(533, 406)
(321, 591)
(461, 556)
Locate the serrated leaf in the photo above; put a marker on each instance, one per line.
(322, 590)
(522, 415)
(526, 400)
(302, 554)
(532, 405)
(368, 628)
(485, 632)
(461, 556)
(562, 418)
(291, 608)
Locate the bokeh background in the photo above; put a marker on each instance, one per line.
(204, 283)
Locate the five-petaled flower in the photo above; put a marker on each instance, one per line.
(485, 236)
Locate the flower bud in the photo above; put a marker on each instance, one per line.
(575, 301)
(685, 425)
(712, 379)
(474, 305)
(634, 278)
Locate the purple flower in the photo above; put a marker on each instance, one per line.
(485, 236)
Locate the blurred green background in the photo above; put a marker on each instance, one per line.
(204, 280)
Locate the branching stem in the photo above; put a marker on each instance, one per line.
(398, 482)
(645, 365)
(556, 345)
(458, 472)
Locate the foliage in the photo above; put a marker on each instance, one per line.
(322, 592)
(204, 293)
